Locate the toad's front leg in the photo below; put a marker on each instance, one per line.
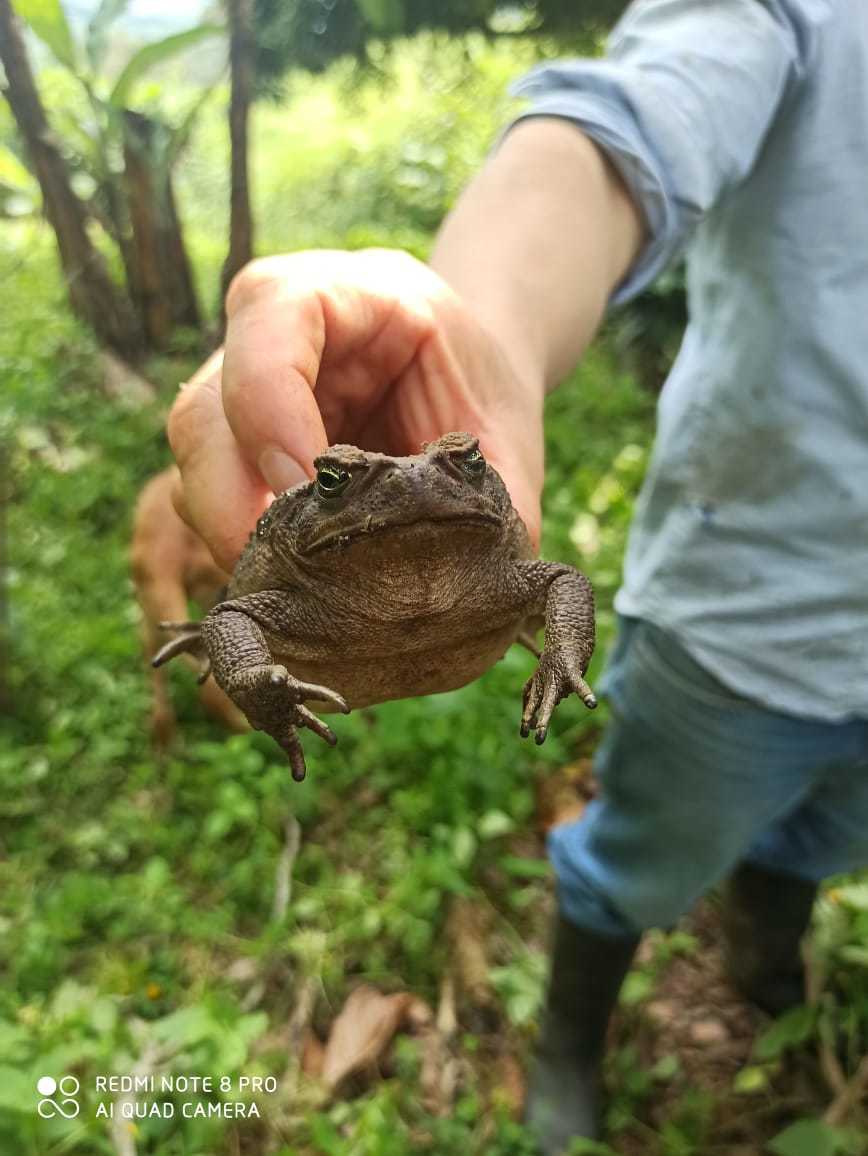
(267, 693)
(565, 596)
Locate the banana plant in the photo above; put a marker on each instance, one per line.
(128, 155)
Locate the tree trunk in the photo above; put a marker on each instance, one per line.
(160, 273)
(241, 67)
(93, 295)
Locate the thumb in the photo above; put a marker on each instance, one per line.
(274, 346)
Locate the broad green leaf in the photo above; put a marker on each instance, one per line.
(156, 53)
(48, 20)
(98, 29)
(637, 987)
(187, 1026)
(791, 1030)
(854, 895)
(524, 868)
(807, 1138)
(751, 1079)
(13, 174)
(17, 1091)
(495, 823)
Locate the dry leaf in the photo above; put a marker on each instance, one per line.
(362, 1032)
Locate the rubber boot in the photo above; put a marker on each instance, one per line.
(764, 916)
(564, 1098)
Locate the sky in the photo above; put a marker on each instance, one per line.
(168, 14)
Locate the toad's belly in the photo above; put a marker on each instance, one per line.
(366, 680)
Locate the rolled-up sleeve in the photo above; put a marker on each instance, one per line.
(681, 104)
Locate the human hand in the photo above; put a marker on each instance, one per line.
(369, 348)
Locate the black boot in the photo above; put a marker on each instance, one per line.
(586, 975)
(764, 916)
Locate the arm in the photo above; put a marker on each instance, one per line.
(537, 243)
(374, 349)
(613, 166)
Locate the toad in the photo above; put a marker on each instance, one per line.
(384, 578)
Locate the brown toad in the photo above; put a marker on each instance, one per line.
(389, 577)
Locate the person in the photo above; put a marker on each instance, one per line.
(735, 131)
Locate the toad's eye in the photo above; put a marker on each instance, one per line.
(473, 464)
(332, 480)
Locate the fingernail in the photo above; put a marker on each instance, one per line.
(280, 470)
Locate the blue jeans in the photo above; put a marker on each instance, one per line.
(695, 778)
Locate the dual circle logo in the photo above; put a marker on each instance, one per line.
(57, 1097)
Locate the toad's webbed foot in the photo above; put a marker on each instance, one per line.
(273, 701)
(557, 676)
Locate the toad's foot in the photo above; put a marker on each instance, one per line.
(557, 676)
(274, 702)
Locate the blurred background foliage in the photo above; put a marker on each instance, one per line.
(137, 895)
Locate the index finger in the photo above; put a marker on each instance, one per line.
(222, 496)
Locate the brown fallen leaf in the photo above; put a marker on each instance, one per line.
(362, 1032)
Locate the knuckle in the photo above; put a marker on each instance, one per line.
(257, 278)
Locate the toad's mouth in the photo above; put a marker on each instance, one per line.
(373, 526)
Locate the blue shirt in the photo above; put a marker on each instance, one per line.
(741, 128)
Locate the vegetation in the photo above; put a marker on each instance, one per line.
(146, 923)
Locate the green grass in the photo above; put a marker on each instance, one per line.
(130, 887)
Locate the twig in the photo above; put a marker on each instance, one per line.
(849, 1096)
(283, 873)
(830, 1065)
(299, 1022)
(815, 982)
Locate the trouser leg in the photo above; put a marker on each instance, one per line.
(691, 777)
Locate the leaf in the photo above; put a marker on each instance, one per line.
(525, 868)
(637, 987)
(853, 895)
(493, 824)
(98, 28)
(48, 21)
(855, 955)
(13, 174)
(750, 1080)
(791, 1030)
(187, 1026)
(807, 1138)
(362, 1032)
(17, 1091)
(386, 17)
(158, 52)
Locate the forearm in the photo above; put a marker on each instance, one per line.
(536, 244)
